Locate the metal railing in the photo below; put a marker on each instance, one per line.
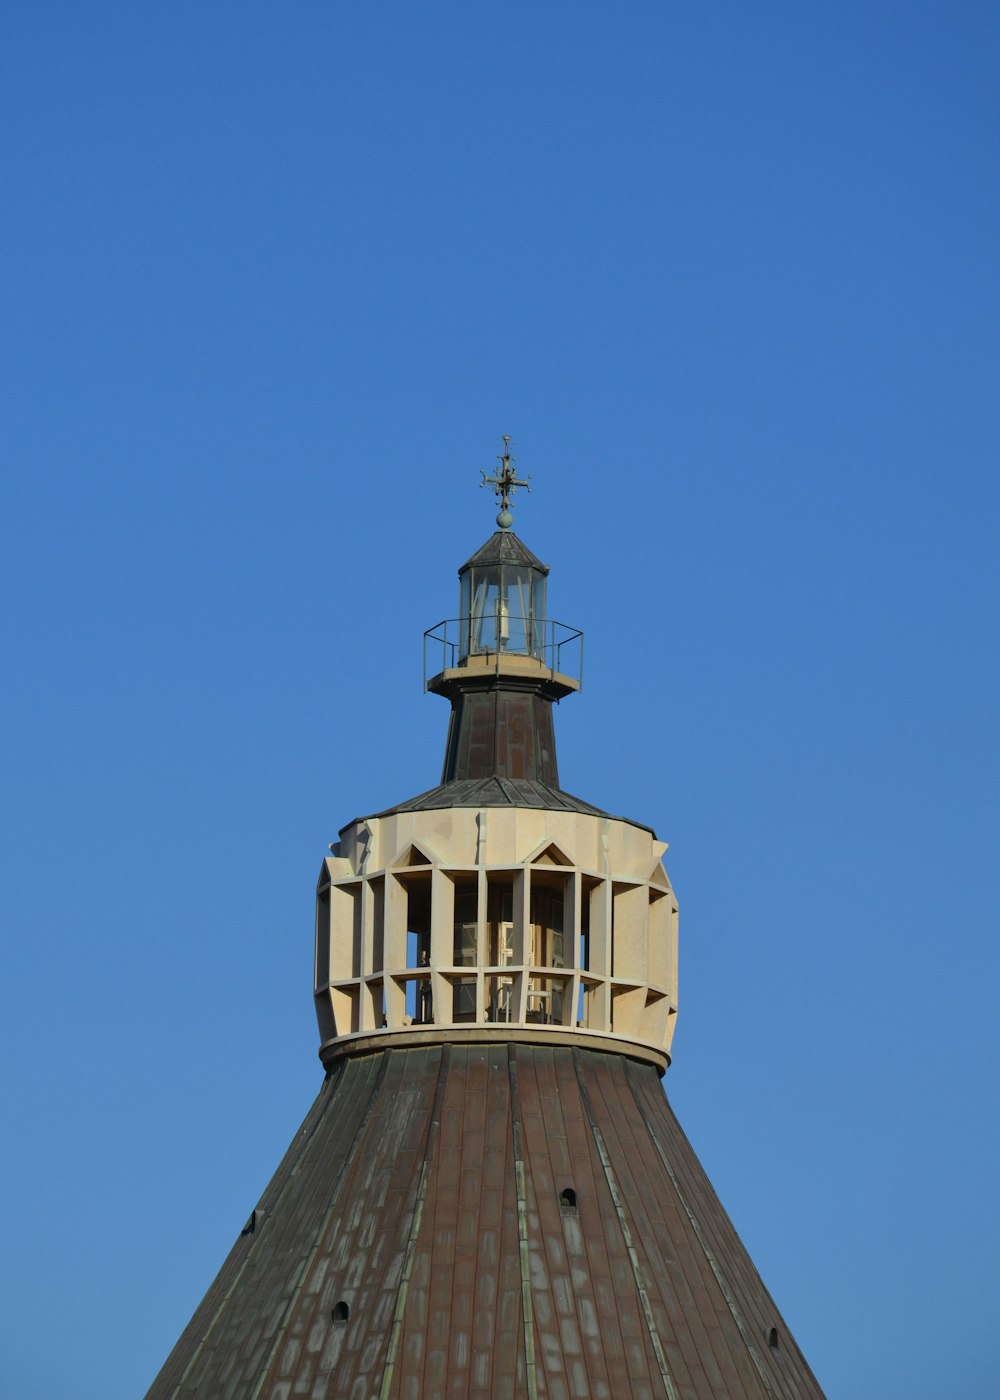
(554, 644)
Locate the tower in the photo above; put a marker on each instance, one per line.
(490, 1195)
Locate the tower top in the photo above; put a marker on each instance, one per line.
(505, 482)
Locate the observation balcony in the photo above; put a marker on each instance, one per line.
(503, 643)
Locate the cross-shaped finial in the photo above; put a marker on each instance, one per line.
(505, 483)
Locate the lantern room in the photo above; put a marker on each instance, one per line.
(502, 599)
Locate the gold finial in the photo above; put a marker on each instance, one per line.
(505, 483)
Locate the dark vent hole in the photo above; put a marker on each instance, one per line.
(772, 1338)
(567, 1201)
(341, 1312)
(255, 1221)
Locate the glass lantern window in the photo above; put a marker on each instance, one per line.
(502, 609)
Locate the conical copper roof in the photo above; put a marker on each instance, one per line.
(498, 1220)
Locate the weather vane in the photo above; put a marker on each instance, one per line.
(505, 483)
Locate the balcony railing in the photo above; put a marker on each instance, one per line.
(554, 644)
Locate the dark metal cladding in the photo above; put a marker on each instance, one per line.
(494, 791)
(499, 1221)
(501, 729)
(500, 792)
(503, 547)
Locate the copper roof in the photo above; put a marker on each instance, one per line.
(418, 1241)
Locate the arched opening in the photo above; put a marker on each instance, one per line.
(341, 1312)
(567, 1201)
(772, 1338)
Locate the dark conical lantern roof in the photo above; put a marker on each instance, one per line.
(504, 547)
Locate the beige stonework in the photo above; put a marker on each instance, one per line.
(489, 664)
(499, 920)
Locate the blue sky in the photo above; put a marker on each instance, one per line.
(274, 281)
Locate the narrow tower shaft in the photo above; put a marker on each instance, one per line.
(500, 727)
(502, 665)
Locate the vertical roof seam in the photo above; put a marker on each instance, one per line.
(304, 1267)
(522, 1224)
(329, 1088)
(430, 1146)
(640, 1284)
(713, 1264)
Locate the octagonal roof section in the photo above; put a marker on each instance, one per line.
(500, 792)
(504, 547)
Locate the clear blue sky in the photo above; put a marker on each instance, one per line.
(275, 278)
